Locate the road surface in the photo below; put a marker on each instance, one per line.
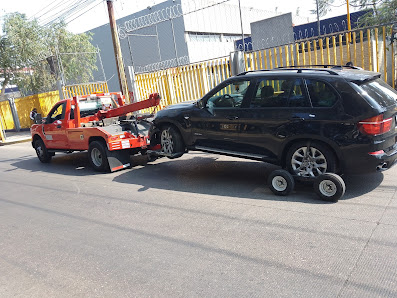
(199, 226)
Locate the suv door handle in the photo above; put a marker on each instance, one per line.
(232, 117)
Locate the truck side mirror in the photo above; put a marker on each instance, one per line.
(38, 119)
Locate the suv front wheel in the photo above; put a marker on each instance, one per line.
(171, 142)
(310, 159)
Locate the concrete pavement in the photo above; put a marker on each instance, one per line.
(199, 226)
(12, 137)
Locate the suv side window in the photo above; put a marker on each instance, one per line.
(229, 96)
(321, 94)
(280, 93)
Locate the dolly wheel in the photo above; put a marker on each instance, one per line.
(329, 187)
(281, 182)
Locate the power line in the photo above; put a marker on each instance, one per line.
(67, 13)
(84, 13)
(46, 9)
(55, 14)
(76, 9)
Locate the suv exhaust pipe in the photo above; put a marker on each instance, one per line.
(382, 167)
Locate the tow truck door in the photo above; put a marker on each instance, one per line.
(54, 128)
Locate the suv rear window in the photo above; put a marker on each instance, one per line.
(381, 92)
(321, 94)
(280, 93)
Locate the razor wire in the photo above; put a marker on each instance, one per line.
(162, 15)
(266, 43)
(165, 64)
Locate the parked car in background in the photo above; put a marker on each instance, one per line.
(307, 120)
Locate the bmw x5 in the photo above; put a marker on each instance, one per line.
(307, 120)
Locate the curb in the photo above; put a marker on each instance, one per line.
(19, 140)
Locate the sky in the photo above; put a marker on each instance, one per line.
(95, 14)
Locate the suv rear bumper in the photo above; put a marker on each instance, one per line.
(386, 160)
(376, 161)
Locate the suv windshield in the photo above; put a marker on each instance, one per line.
(381, 92)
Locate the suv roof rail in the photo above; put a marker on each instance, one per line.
(296, 68)
(304, 67)
(315, 67)
(249, 71)
(348, 65)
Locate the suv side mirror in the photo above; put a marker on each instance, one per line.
(200, 104)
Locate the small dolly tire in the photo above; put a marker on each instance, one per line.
(329, 187)
(281, 182)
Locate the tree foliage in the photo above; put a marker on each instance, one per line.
(381, 11)
(34, 57)
(324, 6)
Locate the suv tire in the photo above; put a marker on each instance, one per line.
(171, 142)
(97, 155)
(42, 152)
(312, 164)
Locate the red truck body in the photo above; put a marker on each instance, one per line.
(74, 124)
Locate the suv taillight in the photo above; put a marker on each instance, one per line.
(375, 125)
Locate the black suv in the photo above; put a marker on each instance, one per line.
(307, 120)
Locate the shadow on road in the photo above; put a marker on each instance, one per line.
(75, 164)
(199, 173)
(208, 174)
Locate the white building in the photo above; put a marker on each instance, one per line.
(175, 32)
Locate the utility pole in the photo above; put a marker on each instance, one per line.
(117, 52)
(349, 26)
(318, 19)
(241, 24)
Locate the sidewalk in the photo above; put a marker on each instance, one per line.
(12, 137)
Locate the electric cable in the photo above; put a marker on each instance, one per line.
(65, 14)
(46, 9)
(83, 13)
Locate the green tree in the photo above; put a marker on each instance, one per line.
(34, 57)
(17, 45)
(324, 6)
(381, 11)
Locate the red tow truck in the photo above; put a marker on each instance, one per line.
(99, 123)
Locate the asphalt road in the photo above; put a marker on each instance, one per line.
(198, 226)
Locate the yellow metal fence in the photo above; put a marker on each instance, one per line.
(368, 48)
(43, 102)
(183, 83)
(84, 89)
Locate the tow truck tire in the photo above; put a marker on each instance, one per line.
(171, 142)
(42, 152)
(281, 182)
(329, 187)
(97, 155)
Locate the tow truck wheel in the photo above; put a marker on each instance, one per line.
(281, 182)
(98, 157)
(41, 151)
(329, 187)
(171, 142)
